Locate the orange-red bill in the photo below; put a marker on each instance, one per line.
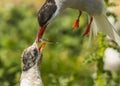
(42, 46)
(41, 32)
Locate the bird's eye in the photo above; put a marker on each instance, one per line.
(35, 52)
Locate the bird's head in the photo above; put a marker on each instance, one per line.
(32, 56)
(47, 12)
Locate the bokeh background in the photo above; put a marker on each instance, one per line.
(69, 62)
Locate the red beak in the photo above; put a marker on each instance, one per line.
(41, 32)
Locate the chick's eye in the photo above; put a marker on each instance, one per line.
(35, 51)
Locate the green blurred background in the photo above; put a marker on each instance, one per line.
(62, 63)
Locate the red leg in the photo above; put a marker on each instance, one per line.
(76, 23)
(40, 33)
(87, 32)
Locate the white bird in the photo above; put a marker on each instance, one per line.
(31, 59)
(95, 8)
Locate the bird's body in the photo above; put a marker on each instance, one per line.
(30, 70)
(95, 8)
(31, 77)
(55, 7)
(92, 7)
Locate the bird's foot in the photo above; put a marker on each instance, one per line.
(87, 32)
(76, 23)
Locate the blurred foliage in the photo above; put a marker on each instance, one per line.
(14, 30)
(62, 62)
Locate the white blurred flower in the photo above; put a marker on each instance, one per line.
(111, 60)
(94, 75)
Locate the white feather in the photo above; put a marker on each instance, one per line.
(31, 77)
(104, 26)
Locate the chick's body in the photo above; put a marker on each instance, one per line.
(31, 59)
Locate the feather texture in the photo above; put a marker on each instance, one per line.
(31, 59)
(106, 27)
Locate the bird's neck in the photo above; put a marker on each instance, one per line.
(31, 77)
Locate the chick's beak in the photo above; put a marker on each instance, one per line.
(42, 46)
